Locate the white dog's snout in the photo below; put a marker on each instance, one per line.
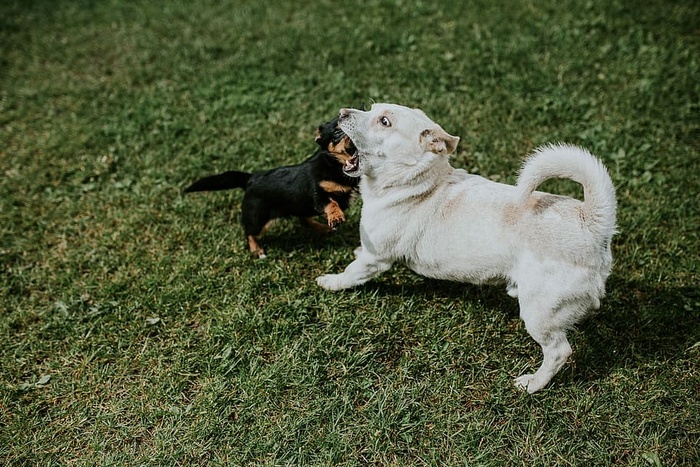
(344, 113)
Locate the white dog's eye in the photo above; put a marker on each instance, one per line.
(384, 121)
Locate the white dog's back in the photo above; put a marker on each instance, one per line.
(577, 164)
(566, 227)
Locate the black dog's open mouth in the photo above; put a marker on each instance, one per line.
(352, 166)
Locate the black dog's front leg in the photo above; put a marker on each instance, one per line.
(331, 209)
(334, 214)
(332, 198)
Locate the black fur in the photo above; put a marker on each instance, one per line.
(313, 187)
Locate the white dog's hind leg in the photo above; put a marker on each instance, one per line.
(556, 351)
(364, 268)
(548, 328)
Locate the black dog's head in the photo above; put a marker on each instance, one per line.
(330, 137)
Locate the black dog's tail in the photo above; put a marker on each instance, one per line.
(223, 181)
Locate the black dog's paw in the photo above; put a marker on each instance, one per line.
(334, 215)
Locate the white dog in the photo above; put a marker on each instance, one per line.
(552, 251)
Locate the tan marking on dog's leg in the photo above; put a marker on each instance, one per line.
(317, 226)
(330, 186)
(334, 214)
(253, 244)
(266, 227)
(255, 247)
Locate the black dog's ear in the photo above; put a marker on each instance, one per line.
(438, 141)
(326, 132)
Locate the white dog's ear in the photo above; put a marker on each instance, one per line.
(438, 141)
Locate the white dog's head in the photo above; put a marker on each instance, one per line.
(396, 135)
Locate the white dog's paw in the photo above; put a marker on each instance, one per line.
(331, 282)
(529, 383)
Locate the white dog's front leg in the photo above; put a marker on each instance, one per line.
(364, 268)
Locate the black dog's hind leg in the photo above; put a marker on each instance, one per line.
(256, 217)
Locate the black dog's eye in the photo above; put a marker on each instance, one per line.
(384, 121)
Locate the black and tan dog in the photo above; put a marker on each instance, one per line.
(316, 186)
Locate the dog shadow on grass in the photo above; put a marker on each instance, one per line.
(638, 324)
(290, 236)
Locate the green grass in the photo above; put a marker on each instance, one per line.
(136, 329)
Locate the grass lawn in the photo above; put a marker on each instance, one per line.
(137, 330)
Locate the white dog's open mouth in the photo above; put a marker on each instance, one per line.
(352, 166)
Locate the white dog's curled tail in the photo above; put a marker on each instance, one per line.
(579, 165)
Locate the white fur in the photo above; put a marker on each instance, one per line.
(553, 252)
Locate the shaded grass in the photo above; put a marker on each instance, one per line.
(136, 329)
